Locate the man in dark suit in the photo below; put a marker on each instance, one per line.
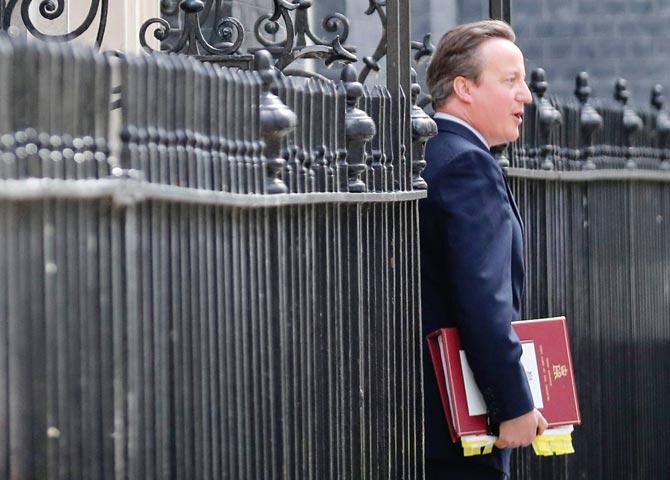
(472, 242)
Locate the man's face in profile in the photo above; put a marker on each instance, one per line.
(501, 92)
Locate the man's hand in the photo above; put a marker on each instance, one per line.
(521, 431)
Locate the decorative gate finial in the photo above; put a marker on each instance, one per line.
(548, 117)
(589, 120)
(661, 124)
(359, 129)
(631, 122)
(423, 128)
(276, 121)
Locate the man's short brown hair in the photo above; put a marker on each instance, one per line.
(456, 55)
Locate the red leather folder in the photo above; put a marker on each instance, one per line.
(549, 338)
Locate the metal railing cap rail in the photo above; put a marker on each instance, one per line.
(127, 191)
(610, 174)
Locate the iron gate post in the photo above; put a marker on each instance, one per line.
(501, 10)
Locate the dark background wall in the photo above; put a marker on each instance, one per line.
(607, 38)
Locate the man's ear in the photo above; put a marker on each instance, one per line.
(462, 88)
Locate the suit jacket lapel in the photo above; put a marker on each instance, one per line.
(453, 127)
(512, 202)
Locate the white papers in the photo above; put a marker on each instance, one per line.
(562, 430)
(529, 362)
(476, 404)
(474, 398)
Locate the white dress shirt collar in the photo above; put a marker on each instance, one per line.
(447, 116)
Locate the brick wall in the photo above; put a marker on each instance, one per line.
(607, 38)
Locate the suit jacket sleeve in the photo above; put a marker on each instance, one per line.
(477, 228)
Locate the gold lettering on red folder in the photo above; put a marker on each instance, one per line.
(560, 371)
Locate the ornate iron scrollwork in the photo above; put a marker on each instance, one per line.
(294, 45)
(425, 48)
(372, 62)
(192, 41)
(52, 10)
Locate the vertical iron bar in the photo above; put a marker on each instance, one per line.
(119, 352)
(501, 10)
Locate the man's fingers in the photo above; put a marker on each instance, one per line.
(501, 443)
(505, 443)
(521, 431)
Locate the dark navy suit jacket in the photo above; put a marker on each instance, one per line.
(471, 278)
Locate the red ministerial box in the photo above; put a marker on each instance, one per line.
(548, 364)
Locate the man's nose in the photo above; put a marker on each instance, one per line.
(524, 95)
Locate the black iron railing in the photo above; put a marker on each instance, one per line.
(227, 285)
(591, 177)
(235, 294)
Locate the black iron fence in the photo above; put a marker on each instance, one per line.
(226, 286)
(592, 182)
(586, 134)
(234, 296)
(597, 251)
